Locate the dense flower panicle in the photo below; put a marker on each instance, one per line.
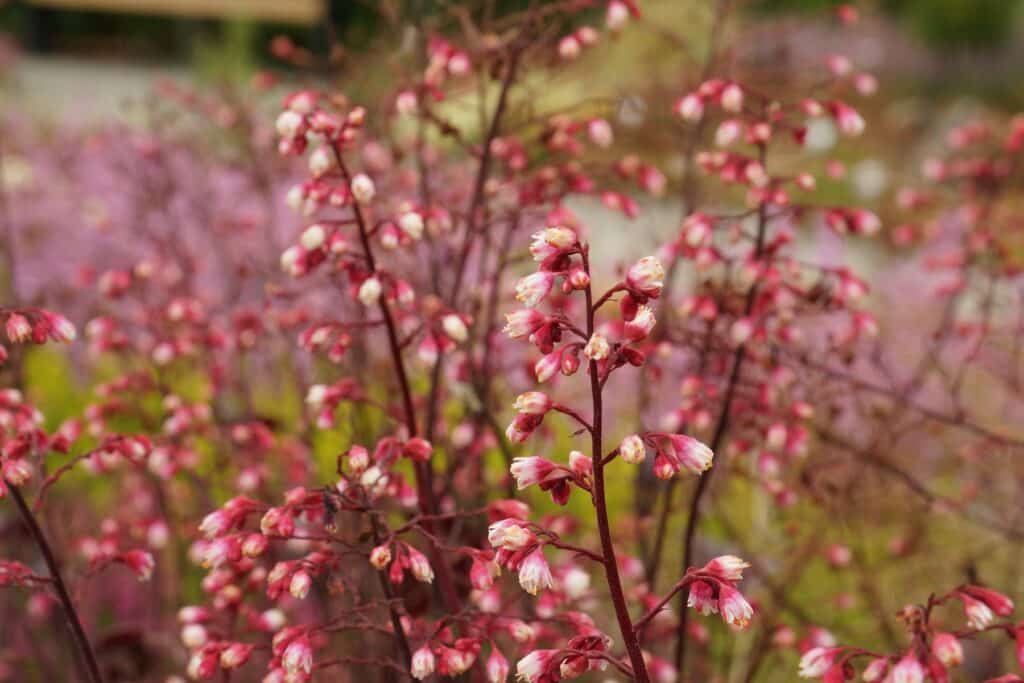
(400, 254)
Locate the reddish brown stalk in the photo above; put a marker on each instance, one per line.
(425, 493)
(396, 620)
(480, 183)
(690, 189)
(611, 566)
(472, 224)
(716, 442)
(81, 640)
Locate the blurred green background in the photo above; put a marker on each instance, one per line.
(179, 32)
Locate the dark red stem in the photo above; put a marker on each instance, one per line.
(88, 657)
(611, 565)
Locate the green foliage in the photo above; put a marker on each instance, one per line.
(230, 55)
(960, 24)
(943, 24)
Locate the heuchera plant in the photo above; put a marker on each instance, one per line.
(450, 319)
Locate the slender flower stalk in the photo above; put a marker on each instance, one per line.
(610, 561)
(81, 641)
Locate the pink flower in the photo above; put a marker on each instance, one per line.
(235, 655)
(534, 288)
(18, 328)
(363, 188)
(482, 572)
(702, 598)
(551, 241)
(816, 661)
(509, 534)
(632, 450)
(370, 290)
(497, 666)
(597, 347)
(547, 366)
(534, 573)
(600, 132)
(726, 567)
(520, 429)
(533, 403)
(641, 325)
(997, 602)
(908, 670)
(528, 471)
(690, 108)
(876, 670)
(735, 609)
(300, 584)
(423, 663)
(455, 328)
(646, 276)
(732, 98)
(947, 649)
(420, 566)
(298, 656)
(522, 323)
(685, 452)
(979, 616)
(534, 667)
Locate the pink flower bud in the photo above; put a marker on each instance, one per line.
(641, 325)
(732, 98)
(547, 366)
(908, 670)
(455, 328)
(370, 291)
(418, 449)
(300, 584)
(632, 450)
(423, 663)
(816, 661)
(497, 667)
(600, 132)
(298, 656)
(18, 328)
(947, 649)
(690, 108)
(420, 566)
(569, 48)
(528, 471)
(380, 557)
(363, 188)
(726, 567)
(646, 276)
(313, 237)
(533, 403)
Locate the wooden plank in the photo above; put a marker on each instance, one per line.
(284, 11)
